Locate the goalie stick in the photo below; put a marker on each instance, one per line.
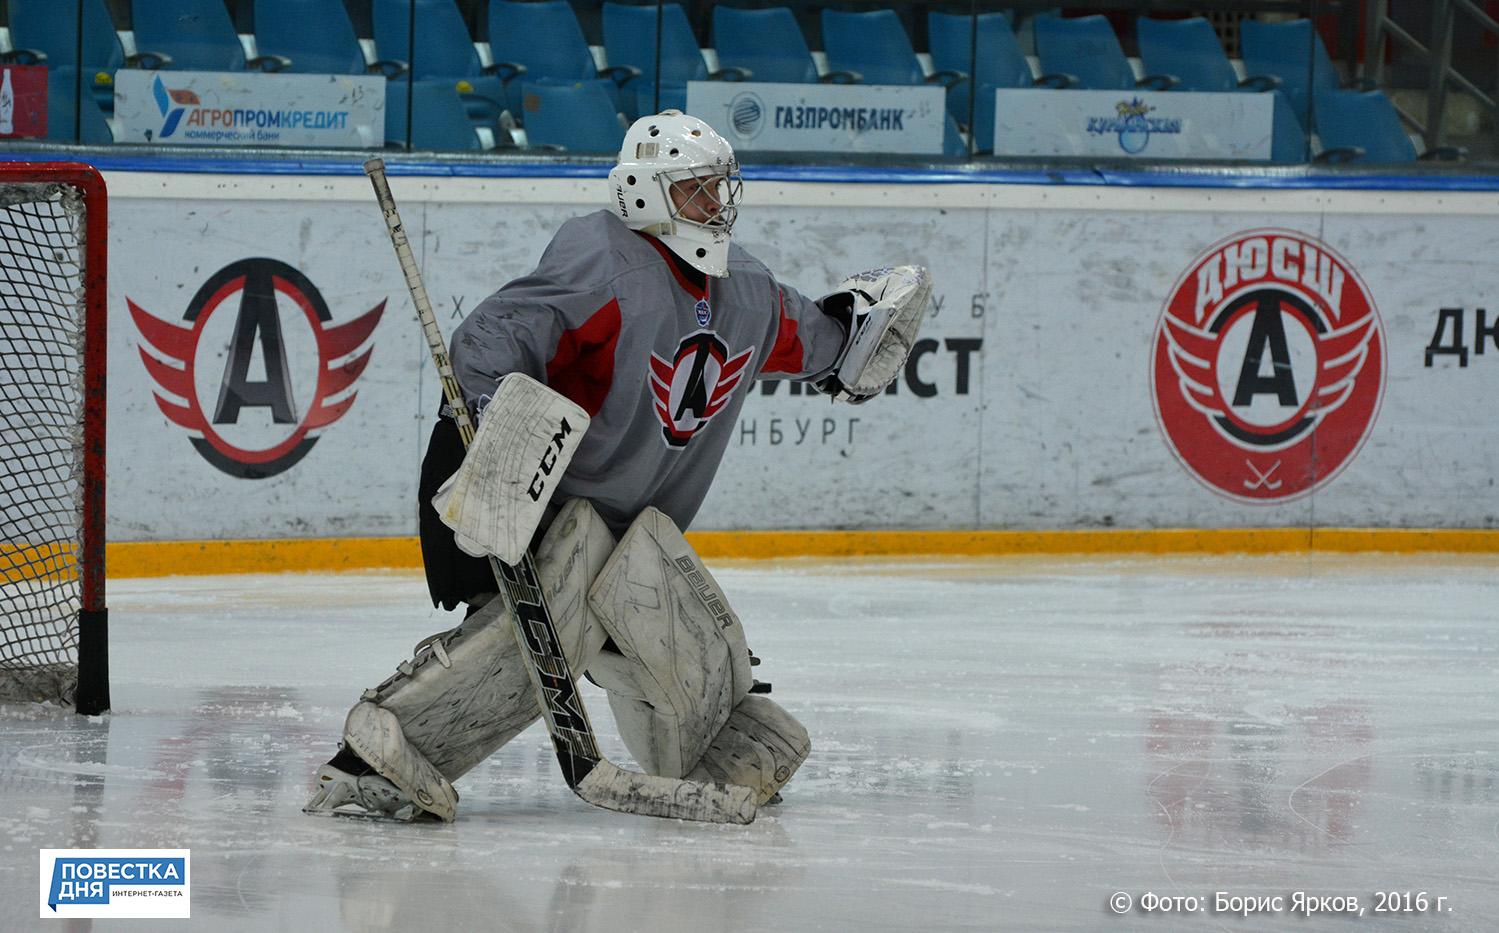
(591, 776)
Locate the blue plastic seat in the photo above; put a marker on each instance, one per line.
(68, 118)
(1188, 50)
(1361, 126)
(533, 41)
(439, 119)
(767, 43)
(873, 45)
(1086, 49)
(192, 35)
(51, 29)
(442, 50)
(873, 48)
(576, 115)
(315, 34)
(1291, 52)
(630, 39)
(1288, 145)
(1024, 25)
(997, 63)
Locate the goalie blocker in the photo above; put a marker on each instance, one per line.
(644, 617)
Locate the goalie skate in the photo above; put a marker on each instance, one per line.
(371, 796)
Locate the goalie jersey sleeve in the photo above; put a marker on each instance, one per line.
(662, 365)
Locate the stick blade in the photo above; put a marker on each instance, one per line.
(613, 788)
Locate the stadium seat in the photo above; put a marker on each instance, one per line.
(997, 62)
(1187, 50)
(46, 32)
(443, 50)
(1360, 126)
(66, 122)
(575, 115)
(192, 35)
(315, 35)
(767, 43)
(873, 47)
(1288, 145)
(543, 40)
(1292, 53)
(953, 143)
(630, 39)
(439, 119)
(1024, 26)
(1086, 50)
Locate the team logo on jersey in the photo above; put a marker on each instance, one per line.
(704, 312)
(256, 428)
(1268, 367)
(694, 385)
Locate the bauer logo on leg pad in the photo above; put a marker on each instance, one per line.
(721, 613)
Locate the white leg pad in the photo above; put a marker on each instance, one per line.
(467, 692)
(375, 735)
(683, 663)
(760, 747)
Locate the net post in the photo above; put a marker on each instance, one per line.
(92, 697)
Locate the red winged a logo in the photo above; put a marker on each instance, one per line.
(1341, 355)
(1268, 368)
(169, 351)
(694, 385)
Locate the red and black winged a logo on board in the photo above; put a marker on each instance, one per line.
(255, 335)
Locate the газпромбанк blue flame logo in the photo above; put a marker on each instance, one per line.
(746, 115)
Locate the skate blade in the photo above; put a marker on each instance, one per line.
(410, 813)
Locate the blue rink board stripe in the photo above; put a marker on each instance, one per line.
(826, 174)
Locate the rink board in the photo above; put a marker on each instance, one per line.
(1030, 404)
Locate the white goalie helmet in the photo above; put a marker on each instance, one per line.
(672, 152)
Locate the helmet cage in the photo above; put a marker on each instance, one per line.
(711, 189)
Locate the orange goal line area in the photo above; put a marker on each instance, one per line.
(191, 558)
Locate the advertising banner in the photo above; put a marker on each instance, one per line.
(222, 108)
(1232, 365)
(822, 117)
(1142, 124)
(23, 101)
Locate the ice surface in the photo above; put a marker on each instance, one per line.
(998, 744)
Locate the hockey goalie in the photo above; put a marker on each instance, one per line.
(607, 384)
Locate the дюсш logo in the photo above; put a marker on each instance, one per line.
(1268, 366)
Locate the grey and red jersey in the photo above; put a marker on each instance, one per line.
(661, 366)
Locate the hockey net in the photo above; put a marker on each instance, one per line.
(52, 351)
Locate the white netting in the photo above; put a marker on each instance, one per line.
(41, 438)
